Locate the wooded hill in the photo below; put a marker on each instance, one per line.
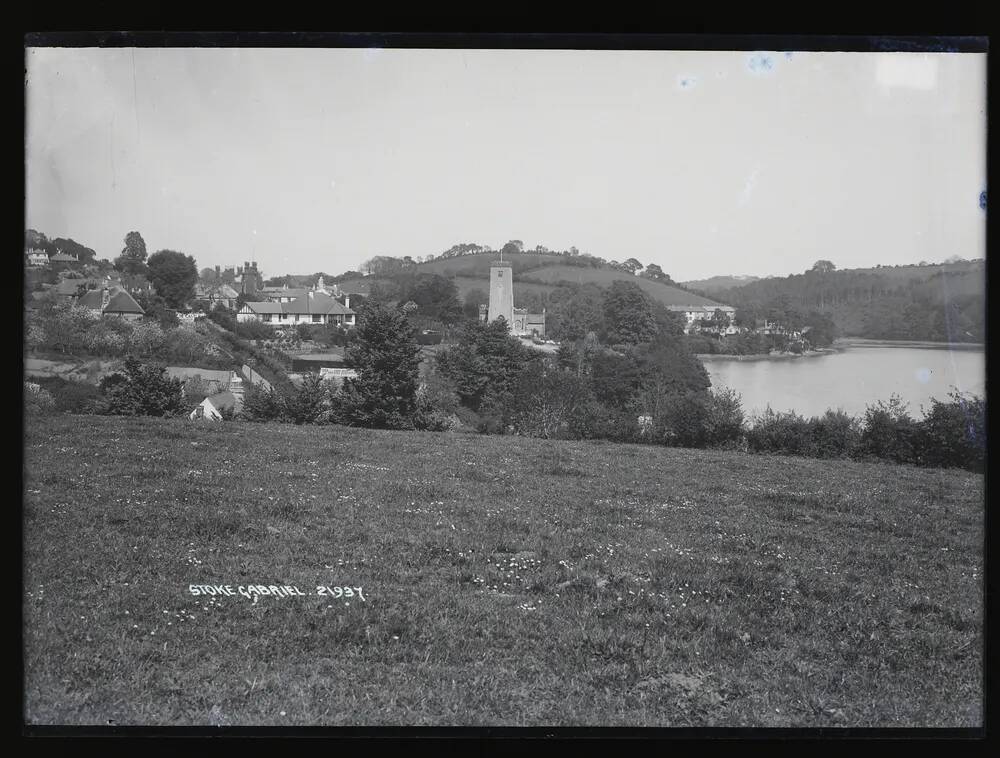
(939, 302)
(536, 276)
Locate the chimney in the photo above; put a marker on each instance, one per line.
(105, 298)
(217, 269)
(347, 301)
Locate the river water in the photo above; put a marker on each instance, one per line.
(851, 379)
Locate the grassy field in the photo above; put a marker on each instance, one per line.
(506, 581)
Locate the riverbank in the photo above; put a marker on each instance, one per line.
(775, 356)
(846, 342)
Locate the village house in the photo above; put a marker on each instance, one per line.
(216, 294)
(37, 258)
(310, 308)
(286, 294)
(695, 313)
(111, 301)
(61, 257)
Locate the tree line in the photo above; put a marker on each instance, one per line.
(944, 304)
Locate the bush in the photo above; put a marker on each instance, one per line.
(70, 396)
(309, 403)
(141, 390)
(834, 435)
(262, 405)
(725, 421)
(889, 433)
(37, 399)
(953, 434)
(774, 432)
(682, 420)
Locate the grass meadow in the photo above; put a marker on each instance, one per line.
(506, 581)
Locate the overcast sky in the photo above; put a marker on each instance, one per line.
(703, 162)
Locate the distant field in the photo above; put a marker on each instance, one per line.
(506, 581)
(604, 277)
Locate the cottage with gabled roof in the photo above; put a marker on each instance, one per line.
(230, 401)
(111, 301)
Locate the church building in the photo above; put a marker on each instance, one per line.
(521, 323)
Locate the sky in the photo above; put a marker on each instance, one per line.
(704, 162)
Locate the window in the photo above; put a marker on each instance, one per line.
(317, 318)
(267, 317)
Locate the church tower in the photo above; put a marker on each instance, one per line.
(501, 292)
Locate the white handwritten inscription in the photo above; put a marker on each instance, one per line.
(255, 591)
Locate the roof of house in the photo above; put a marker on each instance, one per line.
(264, 307)
(222, 400)
(122, 302)
(69, 286)
(64, 257)
(215, 290)
(317, 303)
(92, 300)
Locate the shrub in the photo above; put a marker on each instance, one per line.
(262, 405)
(953, 434)
(309, 403)
(70, 396)
(888, 432)
(774, 432)
(141, 390)
(37, 399)
(725, 420)
(682, 419)
(834, 435)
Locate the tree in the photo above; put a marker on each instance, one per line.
(654, 272)
(628, 314)
(823, 267)
(72, 247)
(486, 361)
(575, 312)
(135, 246)
(436, 296)
(309, 403)
(386, 356)
(473, 299)
(632, 265)
(141, 390)
(513, 246)
(174, 276)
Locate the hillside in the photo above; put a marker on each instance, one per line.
(495, 580)
(944, 302)
(717, 283)
(536, 273)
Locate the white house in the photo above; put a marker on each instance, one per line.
(37, 258)
(693, 313)
(310, 308)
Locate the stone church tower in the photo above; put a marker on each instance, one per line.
(501, 292)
